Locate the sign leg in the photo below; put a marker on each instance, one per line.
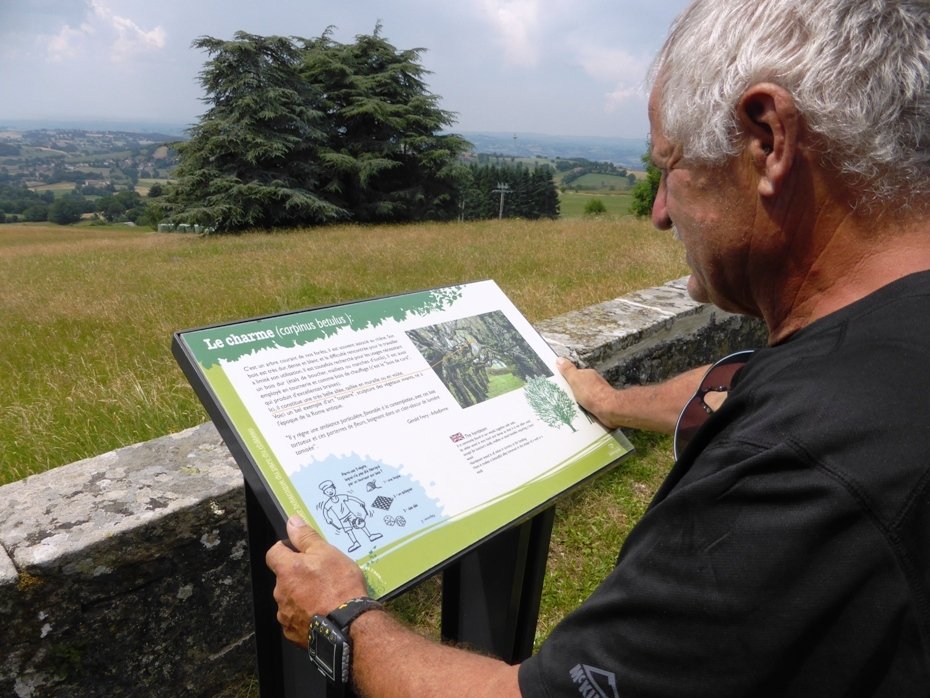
(491, 596)
(284, 670)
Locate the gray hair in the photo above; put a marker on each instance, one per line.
(858, 70)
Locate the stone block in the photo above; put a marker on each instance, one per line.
(649, 335)
(131, 573)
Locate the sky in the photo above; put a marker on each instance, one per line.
(556, 67)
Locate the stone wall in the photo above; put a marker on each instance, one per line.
(127, 574)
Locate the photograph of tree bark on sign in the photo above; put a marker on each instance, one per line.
(478, 358)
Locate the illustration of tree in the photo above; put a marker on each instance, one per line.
(550, 403)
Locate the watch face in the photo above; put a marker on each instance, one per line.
(324, 654)
(329, 649)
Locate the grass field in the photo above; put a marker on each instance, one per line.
(88, 314)
(59, 189)
(600, 182)
(571, 204)
(144, 185)
(499, 384)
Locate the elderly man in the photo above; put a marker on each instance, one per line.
(788, 551)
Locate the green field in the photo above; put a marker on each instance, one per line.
(59, 189)
(571, 203)
(593, 182)
(499, 384)
(89, 311)
(143, 185)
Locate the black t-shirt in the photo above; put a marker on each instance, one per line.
(788, 551)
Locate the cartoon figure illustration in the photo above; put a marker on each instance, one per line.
(346, 513)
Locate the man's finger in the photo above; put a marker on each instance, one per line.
(300, 534)
(564, 365)
(569, 372)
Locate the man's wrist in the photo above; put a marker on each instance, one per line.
(362, 621)
(329, 644)
(346, 613)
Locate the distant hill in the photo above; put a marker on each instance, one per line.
(621, 151)
(625, 152)
(171, 131)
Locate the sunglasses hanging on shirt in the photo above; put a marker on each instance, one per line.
(714, 385)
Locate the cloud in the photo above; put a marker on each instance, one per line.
(623, 71)
(616, 99)
(67, 43)
(130, 37)
(517, 25)
(121, 36)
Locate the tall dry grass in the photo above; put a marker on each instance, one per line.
(88, 313)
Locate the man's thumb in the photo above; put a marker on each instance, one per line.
(300, 534)
(564, 365)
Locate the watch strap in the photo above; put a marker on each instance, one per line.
(345, 614)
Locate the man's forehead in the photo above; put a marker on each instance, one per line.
(653, 106)
(660, 147)
(659, 144)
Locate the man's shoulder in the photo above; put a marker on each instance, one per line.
(851, 399)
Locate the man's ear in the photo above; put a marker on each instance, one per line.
(770, 122)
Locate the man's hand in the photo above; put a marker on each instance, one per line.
(592, 392)
(652, 407)
(388, 660)
(314, 580)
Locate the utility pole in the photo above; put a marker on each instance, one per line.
(502, 189)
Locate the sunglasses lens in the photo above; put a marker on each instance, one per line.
(718, 379)
(691, 419)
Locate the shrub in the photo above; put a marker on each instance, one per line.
(36, 212)
(66, 210)
(594, 207)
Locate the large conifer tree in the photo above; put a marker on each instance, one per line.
(387, 159)
(252, 161)
(303, 132)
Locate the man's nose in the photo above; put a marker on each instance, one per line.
(660, 217)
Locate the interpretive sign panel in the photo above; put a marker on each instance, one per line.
(405, 429)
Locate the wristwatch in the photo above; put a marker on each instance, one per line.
(328, 642)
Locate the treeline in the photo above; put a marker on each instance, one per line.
(17, 203)
(514, 192)
(313, 131)
(16, 200)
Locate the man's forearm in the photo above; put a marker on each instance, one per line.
(313, 578)
(652, 407)
(656, 407)
(392, 661)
